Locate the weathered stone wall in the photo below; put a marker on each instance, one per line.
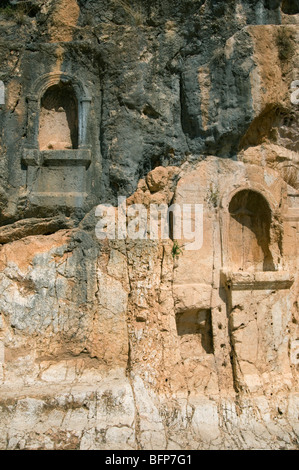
(144, 344)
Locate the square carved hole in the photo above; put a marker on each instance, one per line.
(195, 329)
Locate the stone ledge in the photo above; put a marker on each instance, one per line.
(71, 157)
(256, 280)
(32, 227)
(49, 199)
(292, 214)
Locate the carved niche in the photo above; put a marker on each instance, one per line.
(57, 153)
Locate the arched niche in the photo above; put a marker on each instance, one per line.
(59, 92)
(57, 152)
(58, 120)
(249, 232)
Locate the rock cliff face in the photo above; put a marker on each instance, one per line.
(146, 343)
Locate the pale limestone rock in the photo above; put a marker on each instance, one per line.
(139, 348)
(157, 179)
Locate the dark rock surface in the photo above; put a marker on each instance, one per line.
(139, 62)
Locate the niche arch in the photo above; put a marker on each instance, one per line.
(58, 82)
(251, 232)
(57, 153)
(58, 121)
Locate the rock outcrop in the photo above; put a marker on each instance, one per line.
(146, 342)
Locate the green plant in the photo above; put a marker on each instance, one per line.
(135, 14)
(7, 12)
(176, 249)
(19, 12)
(212, 196)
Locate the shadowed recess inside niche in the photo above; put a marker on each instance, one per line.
(58, 128)
(249, 232)
(196, 325)
(290, 7)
